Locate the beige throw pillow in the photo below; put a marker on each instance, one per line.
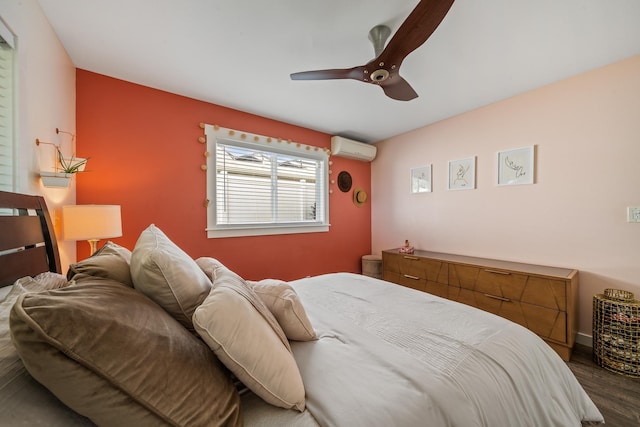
(210, 267)
(111, 261)
(111, 354)
(216, 271)
(166, 274)
(283, 302)
(238, 334)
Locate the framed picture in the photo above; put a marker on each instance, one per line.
(421, 179)
(516, 166)
(462, 174)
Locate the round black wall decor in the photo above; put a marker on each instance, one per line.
(344, 181)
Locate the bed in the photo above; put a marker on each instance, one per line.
(333, 350)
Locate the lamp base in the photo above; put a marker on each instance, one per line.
(93, 244)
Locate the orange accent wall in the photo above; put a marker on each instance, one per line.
(145, 156)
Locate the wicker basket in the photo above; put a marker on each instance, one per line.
(616, 332)
(372, 266)
(618, 295)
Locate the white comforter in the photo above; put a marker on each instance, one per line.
(387, 356)
(391, 356)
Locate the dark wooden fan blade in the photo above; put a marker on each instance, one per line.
(384, 70)
(399, 89)
(415, 30)
(346, 73)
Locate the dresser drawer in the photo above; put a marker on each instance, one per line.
(414, 282)
(546, 322)
(538, 291)
(410, 266)
(407, 280)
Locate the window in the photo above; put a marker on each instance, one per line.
(258, 185)
(7, 150)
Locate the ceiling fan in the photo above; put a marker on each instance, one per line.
(384, 69)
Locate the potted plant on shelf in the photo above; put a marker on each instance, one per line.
(66, 167)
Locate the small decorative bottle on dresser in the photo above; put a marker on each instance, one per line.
(406, 249)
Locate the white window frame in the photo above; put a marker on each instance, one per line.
(214, 135)
(8, 149)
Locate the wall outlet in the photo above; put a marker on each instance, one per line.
(633, 214)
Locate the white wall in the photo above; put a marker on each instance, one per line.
(586, 130)
(45, 101)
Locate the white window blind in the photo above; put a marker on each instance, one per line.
(265, 188)
(7, 151)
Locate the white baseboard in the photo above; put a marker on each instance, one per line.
(584, 339)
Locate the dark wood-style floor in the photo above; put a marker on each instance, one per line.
(617, 396)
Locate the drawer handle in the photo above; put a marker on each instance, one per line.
(506, 273)
(412, 258)
(411, 277)
(497, 297)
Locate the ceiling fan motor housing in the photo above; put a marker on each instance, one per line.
(379, 75)
(378, 36)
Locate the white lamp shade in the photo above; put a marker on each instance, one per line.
(85, 222)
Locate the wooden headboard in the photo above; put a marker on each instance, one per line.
(27, 242)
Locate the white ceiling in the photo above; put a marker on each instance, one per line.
(239, 53)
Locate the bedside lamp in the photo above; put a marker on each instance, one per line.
(91, 223)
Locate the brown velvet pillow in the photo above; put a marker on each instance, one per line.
(111, 261)
(113, 355)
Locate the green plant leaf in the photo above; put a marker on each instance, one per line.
(68, 165)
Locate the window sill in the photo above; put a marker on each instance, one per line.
(215, 233)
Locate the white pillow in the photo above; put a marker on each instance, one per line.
(229, 322)
(166, 274)
(210, 267)
(283, 302)
(214, 269)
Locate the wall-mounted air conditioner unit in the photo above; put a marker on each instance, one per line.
(343, 147)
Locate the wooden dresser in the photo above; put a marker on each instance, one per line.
(543, 299)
